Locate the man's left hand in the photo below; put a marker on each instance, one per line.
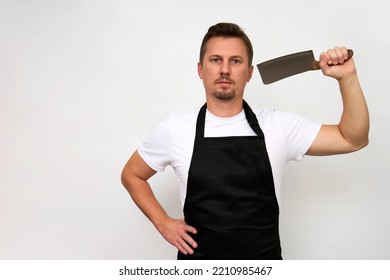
(335, 63)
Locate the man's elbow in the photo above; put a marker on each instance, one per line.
(124, 179)
(365, 143)
(361, 144)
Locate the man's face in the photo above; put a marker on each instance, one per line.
(225, 68)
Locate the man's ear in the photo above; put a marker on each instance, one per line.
(250, 73)
(200, 70)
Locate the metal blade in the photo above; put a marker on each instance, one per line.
(282, 67)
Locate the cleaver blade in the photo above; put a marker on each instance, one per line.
(285, 66)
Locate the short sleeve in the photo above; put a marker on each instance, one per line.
(155, 149)
(298, 132)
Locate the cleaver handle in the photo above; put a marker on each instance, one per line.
(316, 64)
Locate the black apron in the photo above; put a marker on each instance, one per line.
(231, 197)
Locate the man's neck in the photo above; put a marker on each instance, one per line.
(224, 108)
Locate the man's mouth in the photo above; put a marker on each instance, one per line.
(224, 81)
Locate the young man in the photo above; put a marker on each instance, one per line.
(229, 159)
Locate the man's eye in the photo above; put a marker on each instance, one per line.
(215, 59)
(236, 61)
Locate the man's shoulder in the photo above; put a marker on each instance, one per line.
(178, 124)
(183, 117)
(264, 114)
(268, 114)
(184, 114)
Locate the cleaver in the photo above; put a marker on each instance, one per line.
(285, 66)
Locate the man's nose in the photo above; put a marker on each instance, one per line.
(225, 68)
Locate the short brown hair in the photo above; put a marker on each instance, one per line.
(226, 30)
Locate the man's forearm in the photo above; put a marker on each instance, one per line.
(134, 178)
(144, 198)
(354, 124)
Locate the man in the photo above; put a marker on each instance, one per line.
(229, 159)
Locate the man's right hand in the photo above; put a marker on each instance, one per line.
(175, 231)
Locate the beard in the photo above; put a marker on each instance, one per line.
(224, 95)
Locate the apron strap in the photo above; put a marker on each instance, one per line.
(200, 122)
(252, 120)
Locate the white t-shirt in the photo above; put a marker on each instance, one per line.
(288, 136)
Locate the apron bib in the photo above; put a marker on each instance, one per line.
(231, 197)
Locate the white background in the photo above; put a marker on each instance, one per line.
(83, 82)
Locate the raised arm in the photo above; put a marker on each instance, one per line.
(351, 134)
(134, 177)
